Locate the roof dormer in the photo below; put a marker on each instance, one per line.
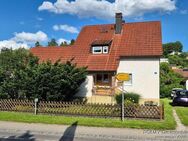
(100, 46)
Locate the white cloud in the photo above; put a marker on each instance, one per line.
(59, 41)
(12, 44)
(47, 6)
(56, 27)
(24, 40)
(30, 37)
(66, 28)
(106, 9)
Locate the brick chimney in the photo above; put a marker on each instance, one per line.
(118, 25)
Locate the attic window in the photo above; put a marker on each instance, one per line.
(101, 46)
(97, 50)
(105, 49)
(100, 49)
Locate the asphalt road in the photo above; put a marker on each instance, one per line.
(12, 131)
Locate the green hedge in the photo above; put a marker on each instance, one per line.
(132, 97)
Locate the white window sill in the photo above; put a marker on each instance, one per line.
(127, 84)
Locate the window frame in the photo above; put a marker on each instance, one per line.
(102, 78)
(93, 50)
(130, 82)
(103, 48)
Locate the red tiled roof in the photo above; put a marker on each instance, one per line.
(101, 42)
(136, 39)
(183, 73)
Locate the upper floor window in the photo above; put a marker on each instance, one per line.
(105, 49)
(100, 49)
(97, 50)
(100, 46)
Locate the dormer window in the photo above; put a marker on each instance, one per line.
(105, 49)
(97, 50)
(100, 46)
(100, 49)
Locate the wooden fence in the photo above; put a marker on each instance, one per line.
(83, 109)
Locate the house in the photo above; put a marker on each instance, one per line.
(182, 72)
(174, 53)
(108, 49)
(164, 60)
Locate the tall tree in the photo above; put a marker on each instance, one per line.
(52, 43)
(172, 46)
(64, 43)
(178, 60)
(72, 42)
(37, 44)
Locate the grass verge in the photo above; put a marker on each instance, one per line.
(167, 123)
(182, 113)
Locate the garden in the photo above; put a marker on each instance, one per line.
(167, 124)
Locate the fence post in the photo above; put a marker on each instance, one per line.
(161, 107)
(36, 101)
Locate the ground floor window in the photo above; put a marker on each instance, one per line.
(102, 79)
(130, 80)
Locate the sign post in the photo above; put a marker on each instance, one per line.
(122, 77)
(122, 106)
(36, 101)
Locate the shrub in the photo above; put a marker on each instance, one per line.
(168, 80)
(23, 77)
(131, 97)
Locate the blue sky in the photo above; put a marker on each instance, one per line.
(23, 22)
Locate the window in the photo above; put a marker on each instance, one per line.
(183, 94)
(99, 77)
(100, 49)
(105, 78)
(97, 50)
(130, 80)
(105, 49)
(102, 78)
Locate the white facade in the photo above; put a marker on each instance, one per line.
(164, 60)
(145, 76)
(85, 89)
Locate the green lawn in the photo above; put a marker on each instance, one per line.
(168, 123)
(182, 114)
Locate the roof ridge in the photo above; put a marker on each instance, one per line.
(141, 22)
(110, 24)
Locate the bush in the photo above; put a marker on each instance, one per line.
(3, 96)
(23, 77)
(168, 80)
(128, 97)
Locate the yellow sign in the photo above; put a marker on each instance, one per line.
(122, 77)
